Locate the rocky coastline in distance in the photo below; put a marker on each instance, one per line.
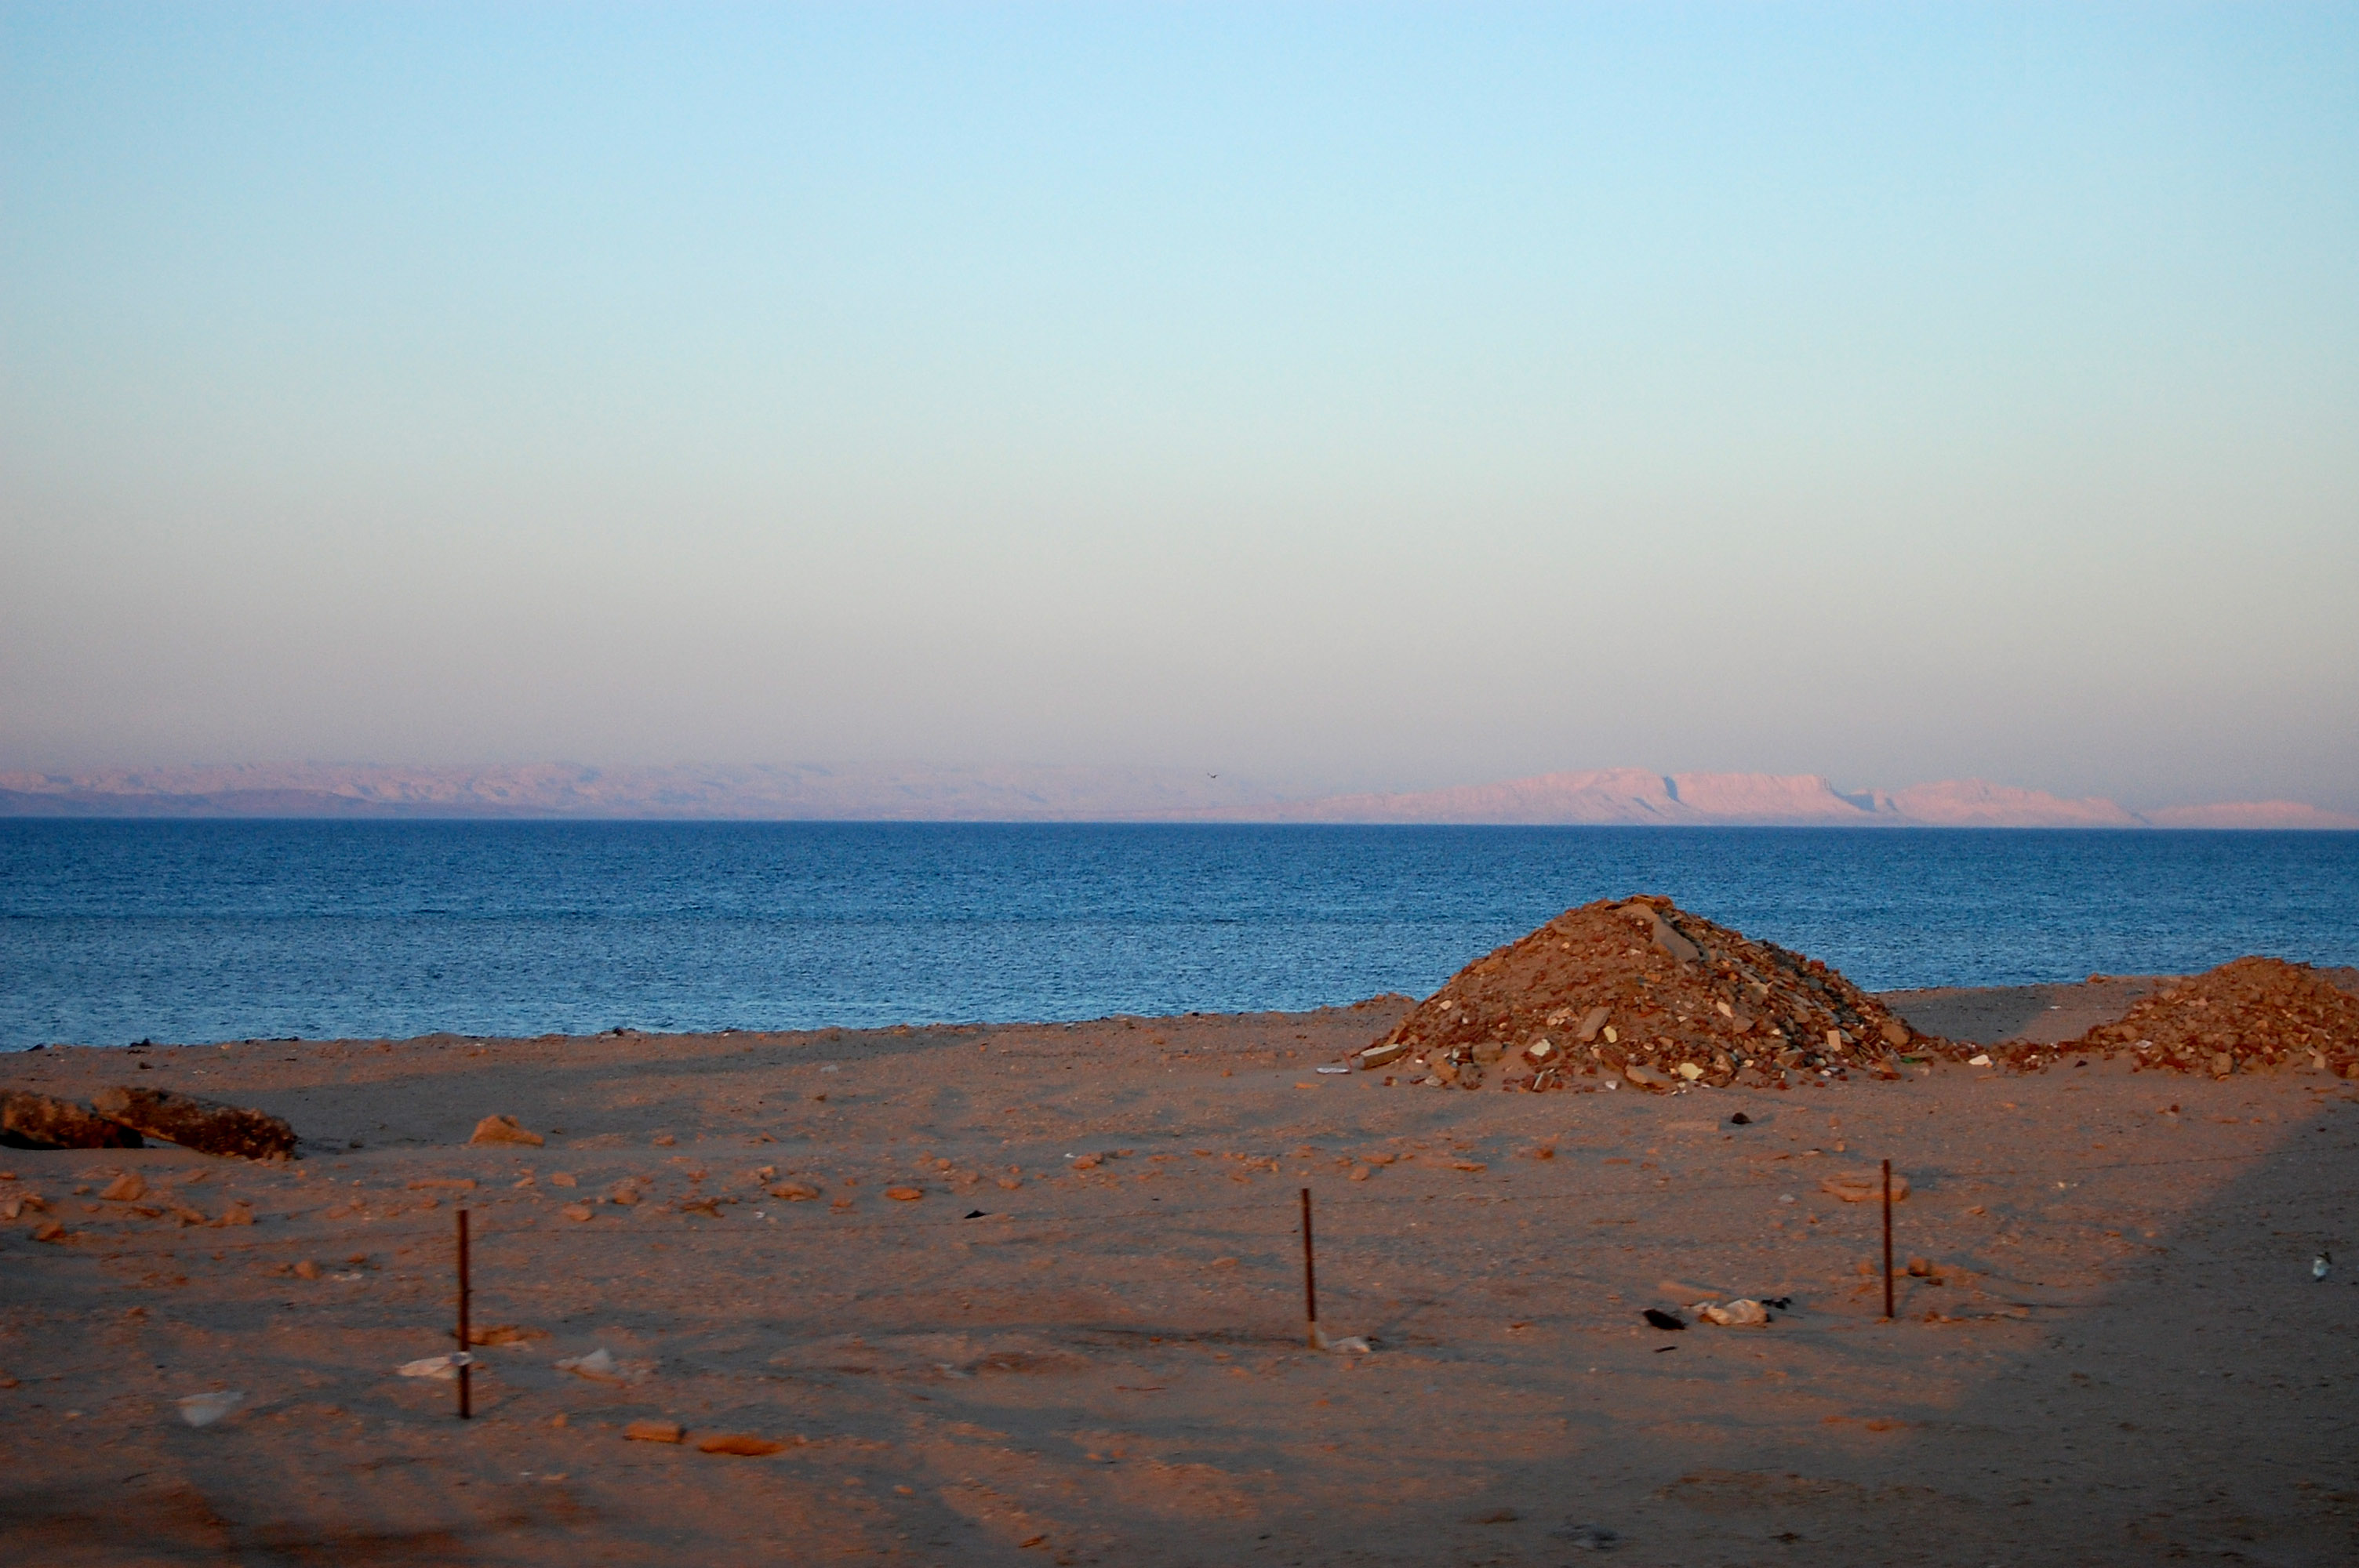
(915, 791)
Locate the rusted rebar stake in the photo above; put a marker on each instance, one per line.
(1309, 1276)
(1888, 1240)
(466, 1403)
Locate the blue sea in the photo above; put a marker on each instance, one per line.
(191, 931)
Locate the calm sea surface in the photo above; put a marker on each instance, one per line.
(194, 931)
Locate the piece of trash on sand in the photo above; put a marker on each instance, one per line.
(1334, 1070)
(1981, 1061)
(1739, 1313)
(204, 1409)
(443, 1367)
(1350, 1345)
(1589, 1537)
(1663, 1320)
(603, 1365)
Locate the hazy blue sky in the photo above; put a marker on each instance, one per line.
(1344, 396)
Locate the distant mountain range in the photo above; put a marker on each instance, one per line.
(919, 792)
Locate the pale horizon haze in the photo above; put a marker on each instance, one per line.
(1351, 398)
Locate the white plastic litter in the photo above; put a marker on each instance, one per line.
(1981, 1061)
(204, 1409)
(1735, 1314)
(1350, 1345)
(603, 1365)
(1334, 1069)
(443, 1367)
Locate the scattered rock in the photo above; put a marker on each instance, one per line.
(740, 1442)
(307, 1270)
(29, 1120)
(1668, 1322)
(202, 1125)
(654, 1431)
(794, 1192)
(1589, 1537)
(49, 1231)
(905, 1194)
(128, 1187)
(578, 1211)
(1862, 1186)
(508, 1334)
(505, 1129)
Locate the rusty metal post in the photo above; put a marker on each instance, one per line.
(1310, 1275)
(467, 1392)
(1888, 1240)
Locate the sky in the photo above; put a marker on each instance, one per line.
(1347, 396)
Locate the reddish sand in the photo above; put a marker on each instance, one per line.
(2117, 1354)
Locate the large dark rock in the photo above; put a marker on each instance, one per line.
(29, 1120)
(199, 1124)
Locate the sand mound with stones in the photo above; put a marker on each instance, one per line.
(1640, 991)
(2246, 1015)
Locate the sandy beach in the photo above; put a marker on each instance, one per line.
(1084, 1343)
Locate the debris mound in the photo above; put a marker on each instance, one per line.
(2247, 1015)
(1638, 990)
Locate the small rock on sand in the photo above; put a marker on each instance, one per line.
(505, 1129)
(740, 1442)
(1862, 1186)
(654, 1431)
(128, 1187)
(905, 1194)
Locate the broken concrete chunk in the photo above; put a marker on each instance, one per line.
(1380, 1055)
(29, 1120)
(505, 1129)
(199, 1124)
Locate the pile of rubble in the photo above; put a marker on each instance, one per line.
(116, 1118)
(1640, 991)
(2246, 1016)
